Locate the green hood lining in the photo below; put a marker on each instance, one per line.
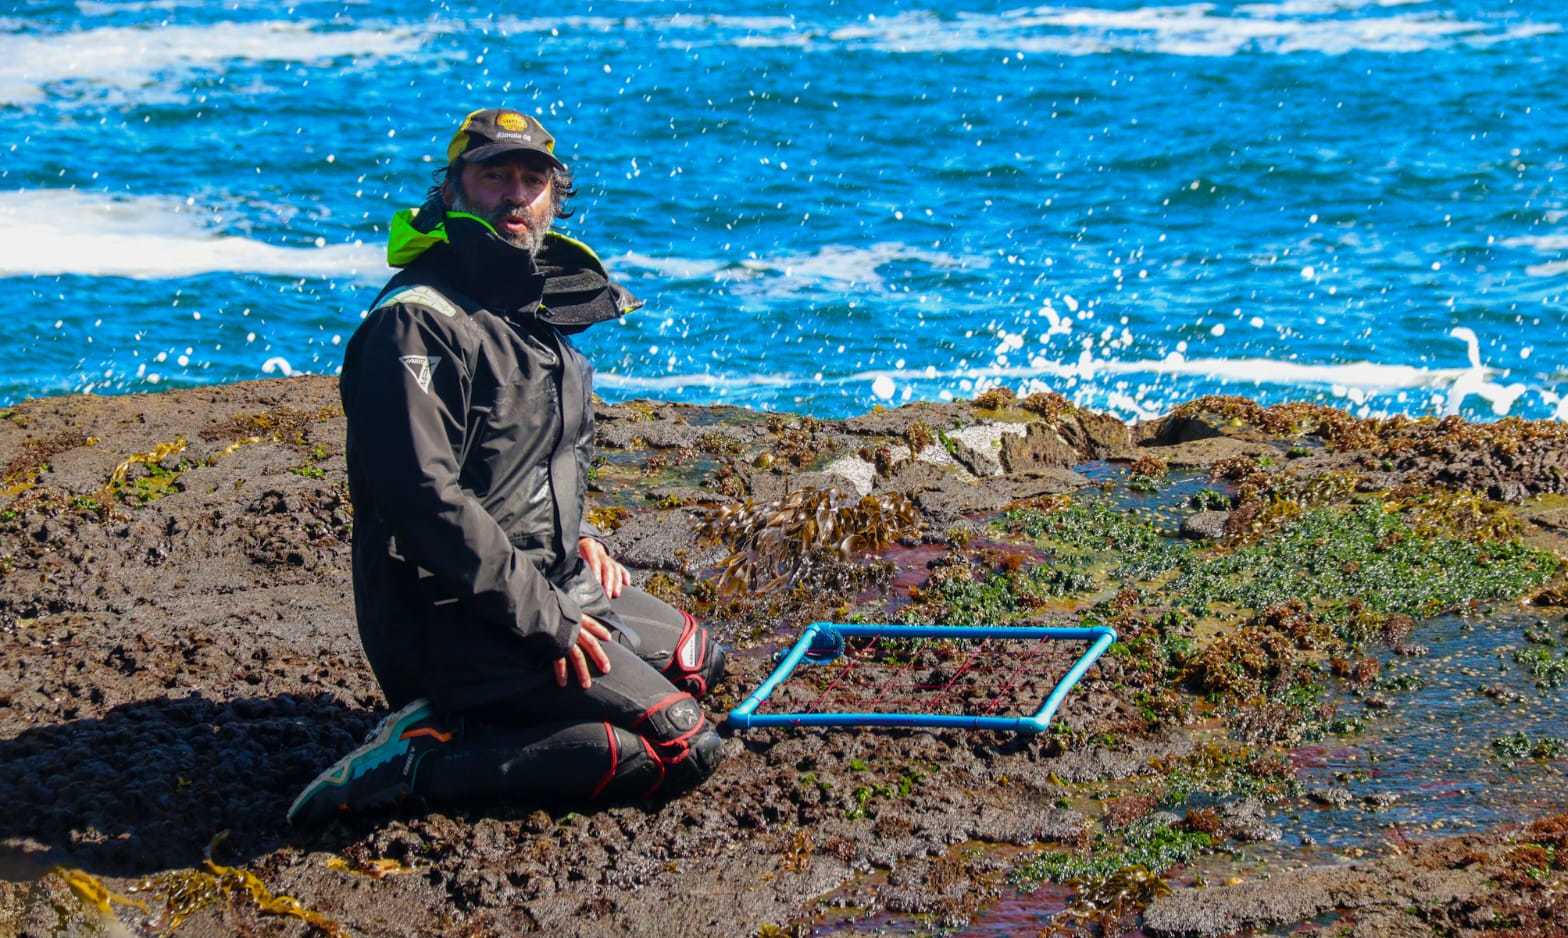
(406, 242)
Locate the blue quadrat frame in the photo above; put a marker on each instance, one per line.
(823, 642)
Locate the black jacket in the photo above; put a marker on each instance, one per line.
(470, 432)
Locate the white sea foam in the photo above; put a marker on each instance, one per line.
(94, 8)
(1549, 269)
(1330, 27)
(128, 58)
(1476, 379)
(1354, 381)
(673, 268)
(1551, 242)
(1186, 30)
(1545, 244)
(834, 266)
(1367, 376)
(674, 23)
(1318, 7)
(66, 231)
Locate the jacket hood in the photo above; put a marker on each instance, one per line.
(577, 290)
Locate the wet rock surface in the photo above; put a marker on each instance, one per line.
(180, 657)
(1205, 525)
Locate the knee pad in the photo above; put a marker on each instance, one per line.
(679, 742)
(633, 770)
(697, 663)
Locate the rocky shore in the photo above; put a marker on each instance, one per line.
(180, 656)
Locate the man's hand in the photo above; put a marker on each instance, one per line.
(610, 574)
(589, 634)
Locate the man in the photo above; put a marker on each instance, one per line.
(519, 661)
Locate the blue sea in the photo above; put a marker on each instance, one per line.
(826, 205)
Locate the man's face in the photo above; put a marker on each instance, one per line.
(513, 194)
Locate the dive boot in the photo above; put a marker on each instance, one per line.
(379, 773)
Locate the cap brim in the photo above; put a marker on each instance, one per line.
(492, 150)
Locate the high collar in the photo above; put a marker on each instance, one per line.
(565, 285)
(495, 272)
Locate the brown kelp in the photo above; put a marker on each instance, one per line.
(772, 543)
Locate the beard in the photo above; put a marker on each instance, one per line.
(530, 239)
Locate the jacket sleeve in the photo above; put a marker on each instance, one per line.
(591, 531)
(408, 385)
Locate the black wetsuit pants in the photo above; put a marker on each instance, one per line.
(636, 732)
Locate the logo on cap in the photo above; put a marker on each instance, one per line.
(510, 120)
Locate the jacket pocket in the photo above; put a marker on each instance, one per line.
(512, 442)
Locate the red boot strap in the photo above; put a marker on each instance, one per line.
(615, 762)
(682, 753)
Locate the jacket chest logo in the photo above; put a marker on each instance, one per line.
(421, 367)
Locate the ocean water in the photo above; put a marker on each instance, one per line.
(827, 205)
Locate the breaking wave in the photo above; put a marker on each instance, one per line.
(1193, 29)
(47, 232)
(129, 58)
(1102, 383)
(834, 266)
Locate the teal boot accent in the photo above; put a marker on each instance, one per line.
(376, 775)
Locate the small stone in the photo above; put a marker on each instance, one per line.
(1205, 525)
(979, 447)
(936, 455)
(1335, 797)
(856, 471)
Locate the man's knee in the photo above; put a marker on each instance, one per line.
(697, 663)
(670, 749)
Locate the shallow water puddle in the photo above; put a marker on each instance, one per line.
(1429, 763)
(1423, 766)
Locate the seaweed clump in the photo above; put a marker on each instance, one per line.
(1358, 563)
(1107, 902)
(156, 479)
(962, 593)
(1532, 902)
(1268, 668)
(775, 543)
(1149, 843)
(994, 399)
(281, 425)
(1047, 404)
(1333, 426)
(185, 892)
(1267, 654)
(1113, 880)
(1095, 530)
(1508, 459)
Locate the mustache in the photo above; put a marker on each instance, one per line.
(514, 213)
